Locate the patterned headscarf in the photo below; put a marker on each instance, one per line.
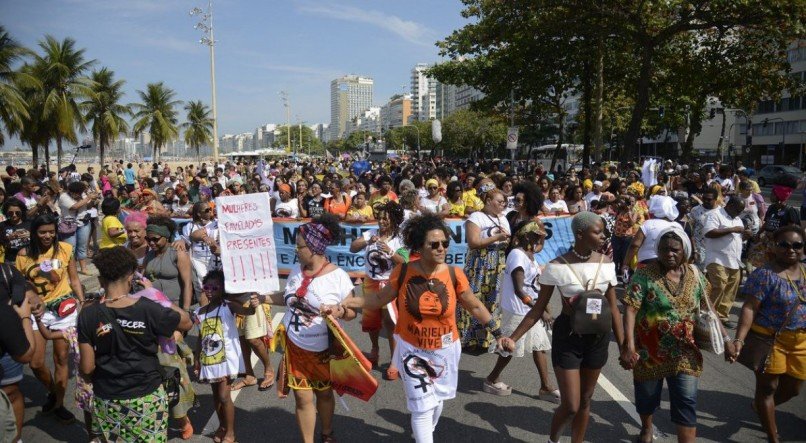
(316, 236)
(636, 188)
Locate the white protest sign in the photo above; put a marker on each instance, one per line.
(248, 253)
(512, 137)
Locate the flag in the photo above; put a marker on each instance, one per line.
(349, 371)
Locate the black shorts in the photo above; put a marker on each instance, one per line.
(572, 351)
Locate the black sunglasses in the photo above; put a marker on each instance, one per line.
(10, 213)
(153, 239)
(786, 245)
(435, 244)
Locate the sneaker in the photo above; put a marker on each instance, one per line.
(552, 396)
(50, 404)
(64, 415)
(498, 388)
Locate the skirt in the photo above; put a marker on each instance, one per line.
(428, 376)
(143, 419)
(484, 270)
(306, 370)
(187, 395)
(536, 339)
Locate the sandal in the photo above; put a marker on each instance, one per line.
(240, 384)
(497, 388)
(218, 436)
(550, 395)
(187, 430)
(327, 438)
(373, 357)
(392, 373)
(266, 383)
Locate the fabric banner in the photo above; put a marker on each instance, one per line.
(248, 253)
(349, 369)
(559, 241)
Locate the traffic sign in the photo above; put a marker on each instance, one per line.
(512, 137)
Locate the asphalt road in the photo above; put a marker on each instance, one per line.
(724, 412)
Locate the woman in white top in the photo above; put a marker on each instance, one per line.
(201, 238)
(664, 212)
(312, 283)
(74, 205)
(488, 234)
(285, 206)
(577, 358)
(554, 204)
(518, 295)
(434, 202)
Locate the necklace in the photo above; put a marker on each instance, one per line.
(580, 256)
(430, 279)
(679, 288)
(801, 296)
(112, 300)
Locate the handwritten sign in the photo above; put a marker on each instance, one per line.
(248, 253)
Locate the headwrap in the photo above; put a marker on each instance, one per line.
(636, 188)
(316, 236)
(430, 182)
(486, 187)
(662, 206)
(531, 228)
(782, 192)
(283, 187)
(655, 189)
(597, 183)
(160, 230)
(678, 230)
(206, 191)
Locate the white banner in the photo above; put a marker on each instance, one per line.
(248, 253)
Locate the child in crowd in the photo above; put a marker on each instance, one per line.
(219, 359)
(359, 211)
(112, 231)
(519, 293)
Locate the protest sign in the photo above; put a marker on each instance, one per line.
(248, 254)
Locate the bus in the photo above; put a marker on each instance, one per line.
(570, 156)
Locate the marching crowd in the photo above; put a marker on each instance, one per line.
(681, 239)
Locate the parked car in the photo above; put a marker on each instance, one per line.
(779, 175)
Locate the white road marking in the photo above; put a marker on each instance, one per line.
(619, 398)
(212, 423)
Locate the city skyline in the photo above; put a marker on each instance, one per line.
(298, 46)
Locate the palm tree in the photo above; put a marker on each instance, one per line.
(199, 127)
(156, 115)
(13, 109)
(104, 110)
(36, 131)
(62, 67)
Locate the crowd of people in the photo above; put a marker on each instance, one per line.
(681, 239)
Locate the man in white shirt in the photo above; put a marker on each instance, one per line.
(595, 194)
(723, 232)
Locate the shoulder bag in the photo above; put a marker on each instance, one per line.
(171, 379)
(67, 226)
(707, 333)
(590, 309)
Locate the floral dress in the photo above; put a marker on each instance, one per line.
(664, 324)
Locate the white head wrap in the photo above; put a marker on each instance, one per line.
(661, 206)
(679, 232)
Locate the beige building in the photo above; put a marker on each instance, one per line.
(396, 113)
(349, 96)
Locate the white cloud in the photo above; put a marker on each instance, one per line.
(410, 31)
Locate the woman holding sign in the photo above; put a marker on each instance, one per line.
(311, 285)
(428, 349)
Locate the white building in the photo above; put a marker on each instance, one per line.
(349, 96)
(423, 93)
(368, 120)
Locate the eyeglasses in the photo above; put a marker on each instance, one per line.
(786, 245)
(208, 210)
(10, 213)
(211, 288)
(153, 239)
(435, 244)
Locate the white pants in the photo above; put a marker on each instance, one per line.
(424, 423)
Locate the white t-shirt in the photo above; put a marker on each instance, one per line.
(726, 250)
(432, 206)
(489, 225)
(199, 249)
(221, 354)
(566, 282)
(66, 202)
(559, 205)
(651, 229)
(303, 324)
(377, 264)
(590, 197)
(531, 272)
(289, 209)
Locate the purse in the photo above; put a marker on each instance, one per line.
(171, 379)
(757, 347)
(707, 333)
(590, 309)
(67, 226)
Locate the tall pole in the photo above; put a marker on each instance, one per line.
(212, 81)
(512, 122)
(284, 97)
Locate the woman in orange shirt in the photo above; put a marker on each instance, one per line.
(426, 293)
(339, 202)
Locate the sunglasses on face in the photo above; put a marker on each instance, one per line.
(208, 210)
(153, 239)
(10, 213)
(436, 244)
(786, 245)
(211, 288)
(432, 187)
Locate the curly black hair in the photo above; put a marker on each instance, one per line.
(110, 206)
(331, 222)
(532, 195)
(161, 220)
(417, 227)
(17, 203)
(395, 213)
(115, 263)
(215, 274)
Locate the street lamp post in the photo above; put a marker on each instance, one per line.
(206, 25)
(284, 97)
(418, 139)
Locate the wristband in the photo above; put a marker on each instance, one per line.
(736, 340)
(496, 333)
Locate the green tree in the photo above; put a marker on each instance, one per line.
(199, 126)
(309, 141)
(36, 131)
(62, 68)
(105, 113)
(13, 108)
(157, 115)
(468, 133)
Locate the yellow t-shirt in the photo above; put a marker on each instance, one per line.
(110, 222)
(366, 211)
(472, 201)
(45, 287)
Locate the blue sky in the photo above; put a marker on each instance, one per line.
(262, 47)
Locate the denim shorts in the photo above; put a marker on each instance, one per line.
(10, 371)
(682, 397)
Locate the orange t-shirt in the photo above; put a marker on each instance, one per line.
(427, 313)
(340, 209)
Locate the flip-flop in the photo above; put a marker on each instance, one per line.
(240, 384)
(265, 387)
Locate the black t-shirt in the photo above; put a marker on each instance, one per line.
(315, 208)
(126, 367)
(778, 216)
(12, 336)
(693, 189)
(14, 245)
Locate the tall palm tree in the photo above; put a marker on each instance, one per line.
(199, 127)
(64, 83)
(156, 115)
(13, 109)
(104, 110)
(36, 131)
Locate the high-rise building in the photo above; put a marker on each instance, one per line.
(396, 113)
(423, 91)
(465, 95)
(349, 96)
(445, 100)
